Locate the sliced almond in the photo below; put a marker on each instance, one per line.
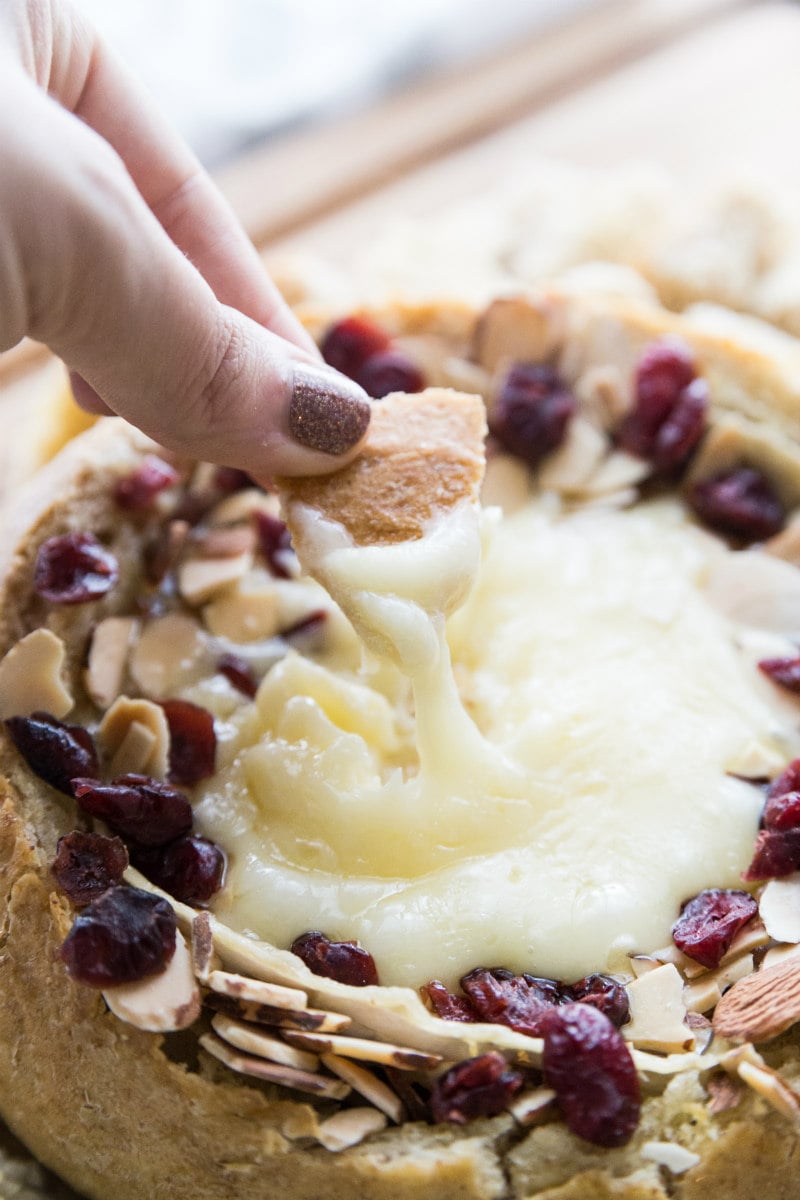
(576, 460)
(367, 1085)
(245, 614)
(786, 544)
(619, 471)
(241, 505)
(259, 1068)
(642, 964)
(201, 578)
(779, 954)
(253, 1040)
(658, 1012)
(204, 956)
(702, 996)
(349, 1127)
(761, 1006)
(514, 328)
(365, 1048)
(171, 653)
(240, 987)
(161, 1003)
(465, 376)
(779, 908)
(529, 1106)
(226, 542)
(604, 394)
(772, 1088)
(134, 734)
(307, 1020)
(758, 759)
(677, 1159)
(108, 658)
(31, 677)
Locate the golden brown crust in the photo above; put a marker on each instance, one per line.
(423, 454)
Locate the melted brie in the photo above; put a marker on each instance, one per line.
(541, 788)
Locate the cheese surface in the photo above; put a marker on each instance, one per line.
(545, 803)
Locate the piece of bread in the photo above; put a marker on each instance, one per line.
(118, 1111)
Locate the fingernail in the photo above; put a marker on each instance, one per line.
(327, 412)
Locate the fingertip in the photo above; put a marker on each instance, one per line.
(87, 398)
(327, 412)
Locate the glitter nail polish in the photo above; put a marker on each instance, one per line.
(326, 412)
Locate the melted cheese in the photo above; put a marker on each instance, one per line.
(552, 811)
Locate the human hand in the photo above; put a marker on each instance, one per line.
(120, 254)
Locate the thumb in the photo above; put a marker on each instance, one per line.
(91, 272)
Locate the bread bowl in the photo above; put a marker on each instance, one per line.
(125, 1111)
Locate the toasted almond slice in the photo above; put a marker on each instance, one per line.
(245, 614)
(31, 679)
(619, 471)
(779, 954)
(529, 1106)
(171, 653)
(423, 455)
(658, 1012)
(257, 992)
(577, 460)
(758, 759)
(161, 1003)
(307, 1020)
(642, 964)
(241, 505)
(226, 542)
(465, 376)
(604, 394)
(201, 578)
(144, 749)
(204, 956)
(254, 1041)
(751, 936)
(365, 1048)
(725, 1092)
(259, 1068)
(367, 1085)
(677, 1159)
(773, 1088)
(349, 1127)
(761, 1006)
(514, 328)
(779, 907)
(108, 658)
(702, 996)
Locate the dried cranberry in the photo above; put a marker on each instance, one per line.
(783, 671)
(739, 503)
(350, 342)
(478, 1087)
(142, 809)
(192, 741)
(446, 1005)
(138, 490)
(662, 423)
(519, 1001)
(346, 961)
(787, 781)
(588, 1065)
(56, 752)
(239, 673)
(710, 921)
(775, 855)
(124, 935)
(782, 812)
(683, 428)
(191, 869)
(73, 569)
(274, 540)
(603, 993)
(532, 411)
(389, 371)
(87, 864)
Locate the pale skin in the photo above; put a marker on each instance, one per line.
(120, 254)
